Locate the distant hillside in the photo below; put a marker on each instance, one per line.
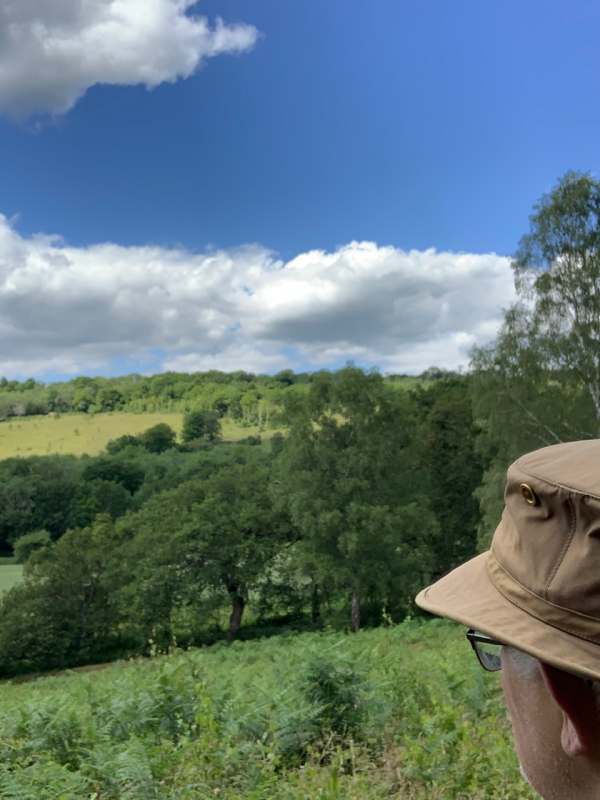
(76, 434)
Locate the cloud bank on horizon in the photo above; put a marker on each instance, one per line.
(69, 310)
(53, 51)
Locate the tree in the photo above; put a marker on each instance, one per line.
(66, 610)
(201, 425)
(558, 267)
(349, 476)
(539, 382)
(449, 456)
(17, 510)
(109, 398)
(158, 438)
(235, 535)
(206, 542)
(116, 470)
(156, 580)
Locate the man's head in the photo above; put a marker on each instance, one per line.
(537, 591)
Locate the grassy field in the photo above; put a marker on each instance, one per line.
(402, 712)
(88, 433)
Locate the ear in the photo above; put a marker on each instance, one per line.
(576, 700)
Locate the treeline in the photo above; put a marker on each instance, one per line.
(338, 523)
(243, 396)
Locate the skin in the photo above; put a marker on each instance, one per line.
(556, 728)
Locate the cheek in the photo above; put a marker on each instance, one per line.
(535, 725)
(520, 721)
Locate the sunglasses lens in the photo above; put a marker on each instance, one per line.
(489, 655)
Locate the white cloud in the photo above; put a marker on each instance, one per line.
(66, 309)
(53, 51)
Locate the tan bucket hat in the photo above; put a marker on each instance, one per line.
(538, 587)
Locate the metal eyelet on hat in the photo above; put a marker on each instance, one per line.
(529, 495)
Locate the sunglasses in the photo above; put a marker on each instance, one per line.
(486, 649)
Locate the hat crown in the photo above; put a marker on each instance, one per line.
(547, 546)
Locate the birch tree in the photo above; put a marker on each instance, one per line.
(538, 384)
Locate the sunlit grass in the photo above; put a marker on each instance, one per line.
(76, 434)
(10, 574)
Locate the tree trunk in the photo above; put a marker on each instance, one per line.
(355, 613)
(238, 604)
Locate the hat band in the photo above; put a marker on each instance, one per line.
(565, 619)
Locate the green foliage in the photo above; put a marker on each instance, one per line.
(128, 474)
(453, 467)
(201, 426)
(400, 712)
(65, 612)
(158, 438)
(121, 443)
(337, 692)
(350, 479)
(35, 494)
(206, 542)
(29, 543)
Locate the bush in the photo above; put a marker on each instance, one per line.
(337, 692)
(253, 441)
(115, 446)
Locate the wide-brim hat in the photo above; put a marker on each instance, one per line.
(538, 587)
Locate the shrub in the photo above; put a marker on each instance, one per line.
(115, 446)
(336, 691)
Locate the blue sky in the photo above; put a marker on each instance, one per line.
(409, 125)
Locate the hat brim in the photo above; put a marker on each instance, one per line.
(467, 595)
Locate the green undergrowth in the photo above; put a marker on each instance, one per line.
(401, 712)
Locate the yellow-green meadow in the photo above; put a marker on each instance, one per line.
(77, 434)
(10, 574)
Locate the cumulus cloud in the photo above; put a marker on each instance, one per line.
(68, 310)
(53, 51)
